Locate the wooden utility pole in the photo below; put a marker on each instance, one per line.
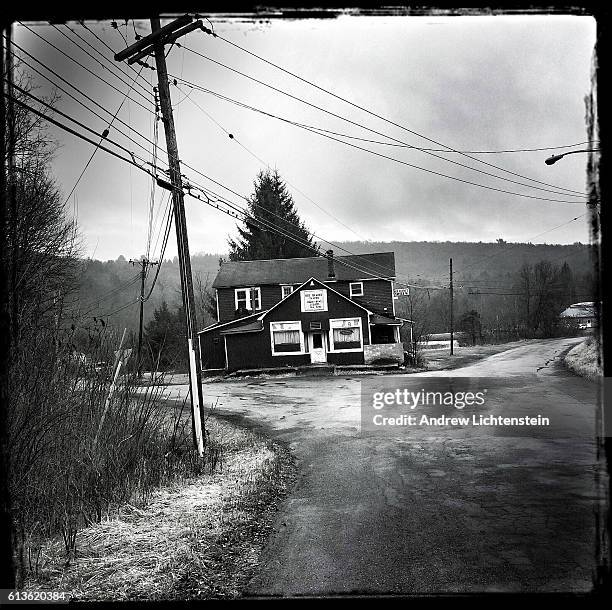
(155, 44)
(451, 305)
(144, 263)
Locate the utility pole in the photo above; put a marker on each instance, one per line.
(155, 43)
(451, 305)
(144, 263)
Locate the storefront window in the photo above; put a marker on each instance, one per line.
(346, 334)
(287, 337)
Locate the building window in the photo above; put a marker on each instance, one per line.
(286, 291)
(346, 335)
(356, 289)
(248, 298)
(286, 338)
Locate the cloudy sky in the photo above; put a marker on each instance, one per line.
(466, 83)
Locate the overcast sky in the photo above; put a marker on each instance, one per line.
(469, 83)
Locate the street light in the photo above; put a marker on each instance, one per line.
(555, 158)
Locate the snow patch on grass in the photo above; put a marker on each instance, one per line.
(585, 359)
(198, 539)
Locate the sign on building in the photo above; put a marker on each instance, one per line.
(401, 292)
(314, 300)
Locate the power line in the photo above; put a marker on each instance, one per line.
(385, 135)
(207, 177)
(215, 35)
(232, 136)
(248, 216)
(233, 191)
(82, 125)
(146, 93)
(119, 156)
(81, 136)
(94, 304)
(132, 162)
(93, 131)
(153, 182)
(80, 102)
(112, 313)
(241, 210)
(482, 152)
(88, 70)
(163, 250)
(110, 62)
(95, 150)
(430, 171)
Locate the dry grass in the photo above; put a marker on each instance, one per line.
(200, 539)
(585, 359)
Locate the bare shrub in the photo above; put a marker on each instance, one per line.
(70, 465)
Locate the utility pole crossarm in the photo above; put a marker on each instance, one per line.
(152, 38)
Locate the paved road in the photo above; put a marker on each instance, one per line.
(432, 508)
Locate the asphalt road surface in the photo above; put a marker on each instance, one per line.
(432, 508)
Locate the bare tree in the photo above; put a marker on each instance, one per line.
(206, 302)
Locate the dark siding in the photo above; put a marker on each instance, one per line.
(253, 350)
(336, 305)
(212, 350)
(212, 353)
(270, 296)
(377, 295)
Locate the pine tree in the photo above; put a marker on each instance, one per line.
(271, 205)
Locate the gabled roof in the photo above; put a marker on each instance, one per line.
(579, 310)
(298, 270)
(322, 285)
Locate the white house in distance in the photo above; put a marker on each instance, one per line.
(583, 315)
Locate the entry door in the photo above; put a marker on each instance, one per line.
(318, 353)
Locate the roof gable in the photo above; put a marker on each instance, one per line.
(307, 284)
(299, 270)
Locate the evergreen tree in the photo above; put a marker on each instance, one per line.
(165, 336)
(469, 323)
(271, 204)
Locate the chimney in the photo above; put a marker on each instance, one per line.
(331, 274)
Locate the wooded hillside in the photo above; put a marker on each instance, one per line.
(105, 286)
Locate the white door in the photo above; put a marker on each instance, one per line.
(318, 353)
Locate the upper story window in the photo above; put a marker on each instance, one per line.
(356, 289)
(248, 298)
(286, 291)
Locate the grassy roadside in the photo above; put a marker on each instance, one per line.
(584, 359)
(198, 539)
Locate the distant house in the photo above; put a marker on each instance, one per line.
(301, 311)
(441, 340)
(582, 315)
